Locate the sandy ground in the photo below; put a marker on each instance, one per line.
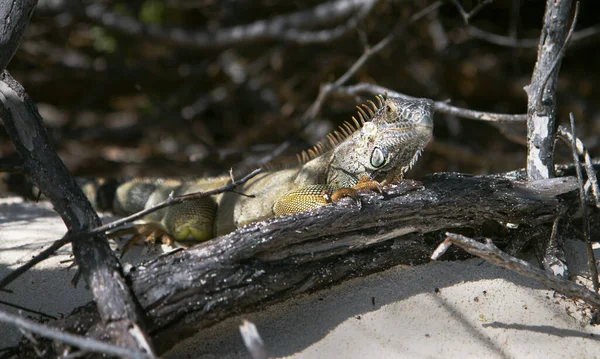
(464, 309)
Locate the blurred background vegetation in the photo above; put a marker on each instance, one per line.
(121, 98)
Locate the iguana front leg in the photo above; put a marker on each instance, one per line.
(302, 199)
(314, 196)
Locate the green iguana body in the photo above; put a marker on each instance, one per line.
(382, 146)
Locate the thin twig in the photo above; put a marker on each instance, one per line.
(567, 137)
(507, 41)
(11, 168)
(551, 260)
(579, 149)
(43, 255)
(584, 212)
(252, 340)
(492, 254)
(399, 28)
(172, 201)
(439, 106)
(515, 11)
(25, 309)
(83, 343)
(468, 15)
(500, 39)
(69, 237)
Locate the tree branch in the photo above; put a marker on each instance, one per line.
(541, 94)
(468, 15)
(507, 41)
(15, 18)
(285, 27)
(121, 322)
(100, 269)
(439, 106)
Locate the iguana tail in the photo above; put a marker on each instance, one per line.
(193, 219)
(100, 192)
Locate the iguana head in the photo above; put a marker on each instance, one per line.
(385, 146)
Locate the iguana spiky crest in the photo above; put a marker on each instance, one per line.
(345, 130)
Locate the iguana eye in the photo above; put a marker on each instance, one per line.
(378, 157)
(389, 109)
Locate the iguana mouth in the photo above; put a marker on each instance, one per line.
(408, 128)
(426, 121)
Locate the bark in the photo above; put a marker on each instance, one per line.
(541, 93)
(15, 17)
(97, 264)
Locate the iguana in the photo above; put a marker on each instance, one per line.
(380, 146)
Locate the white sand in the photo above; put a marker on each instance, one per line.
(480, 311)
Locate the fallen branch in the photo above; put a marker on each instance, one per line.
(492, 254)
(267, 262)
(84, 344)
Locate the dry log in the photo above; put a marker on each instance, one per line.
(274, 260)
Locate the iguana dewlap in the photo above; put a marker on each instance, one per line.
(383, 144)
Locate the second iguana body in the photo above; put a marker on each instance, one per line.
(382, 145)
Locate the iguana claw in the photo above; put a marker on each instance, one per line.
(364, 184)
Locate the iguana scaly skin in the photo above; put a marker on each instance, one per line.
(381, 146)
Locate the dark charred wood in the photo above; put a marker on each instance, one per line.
(15, 18)
(541, 93)
(97, 264)
(274, 260)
